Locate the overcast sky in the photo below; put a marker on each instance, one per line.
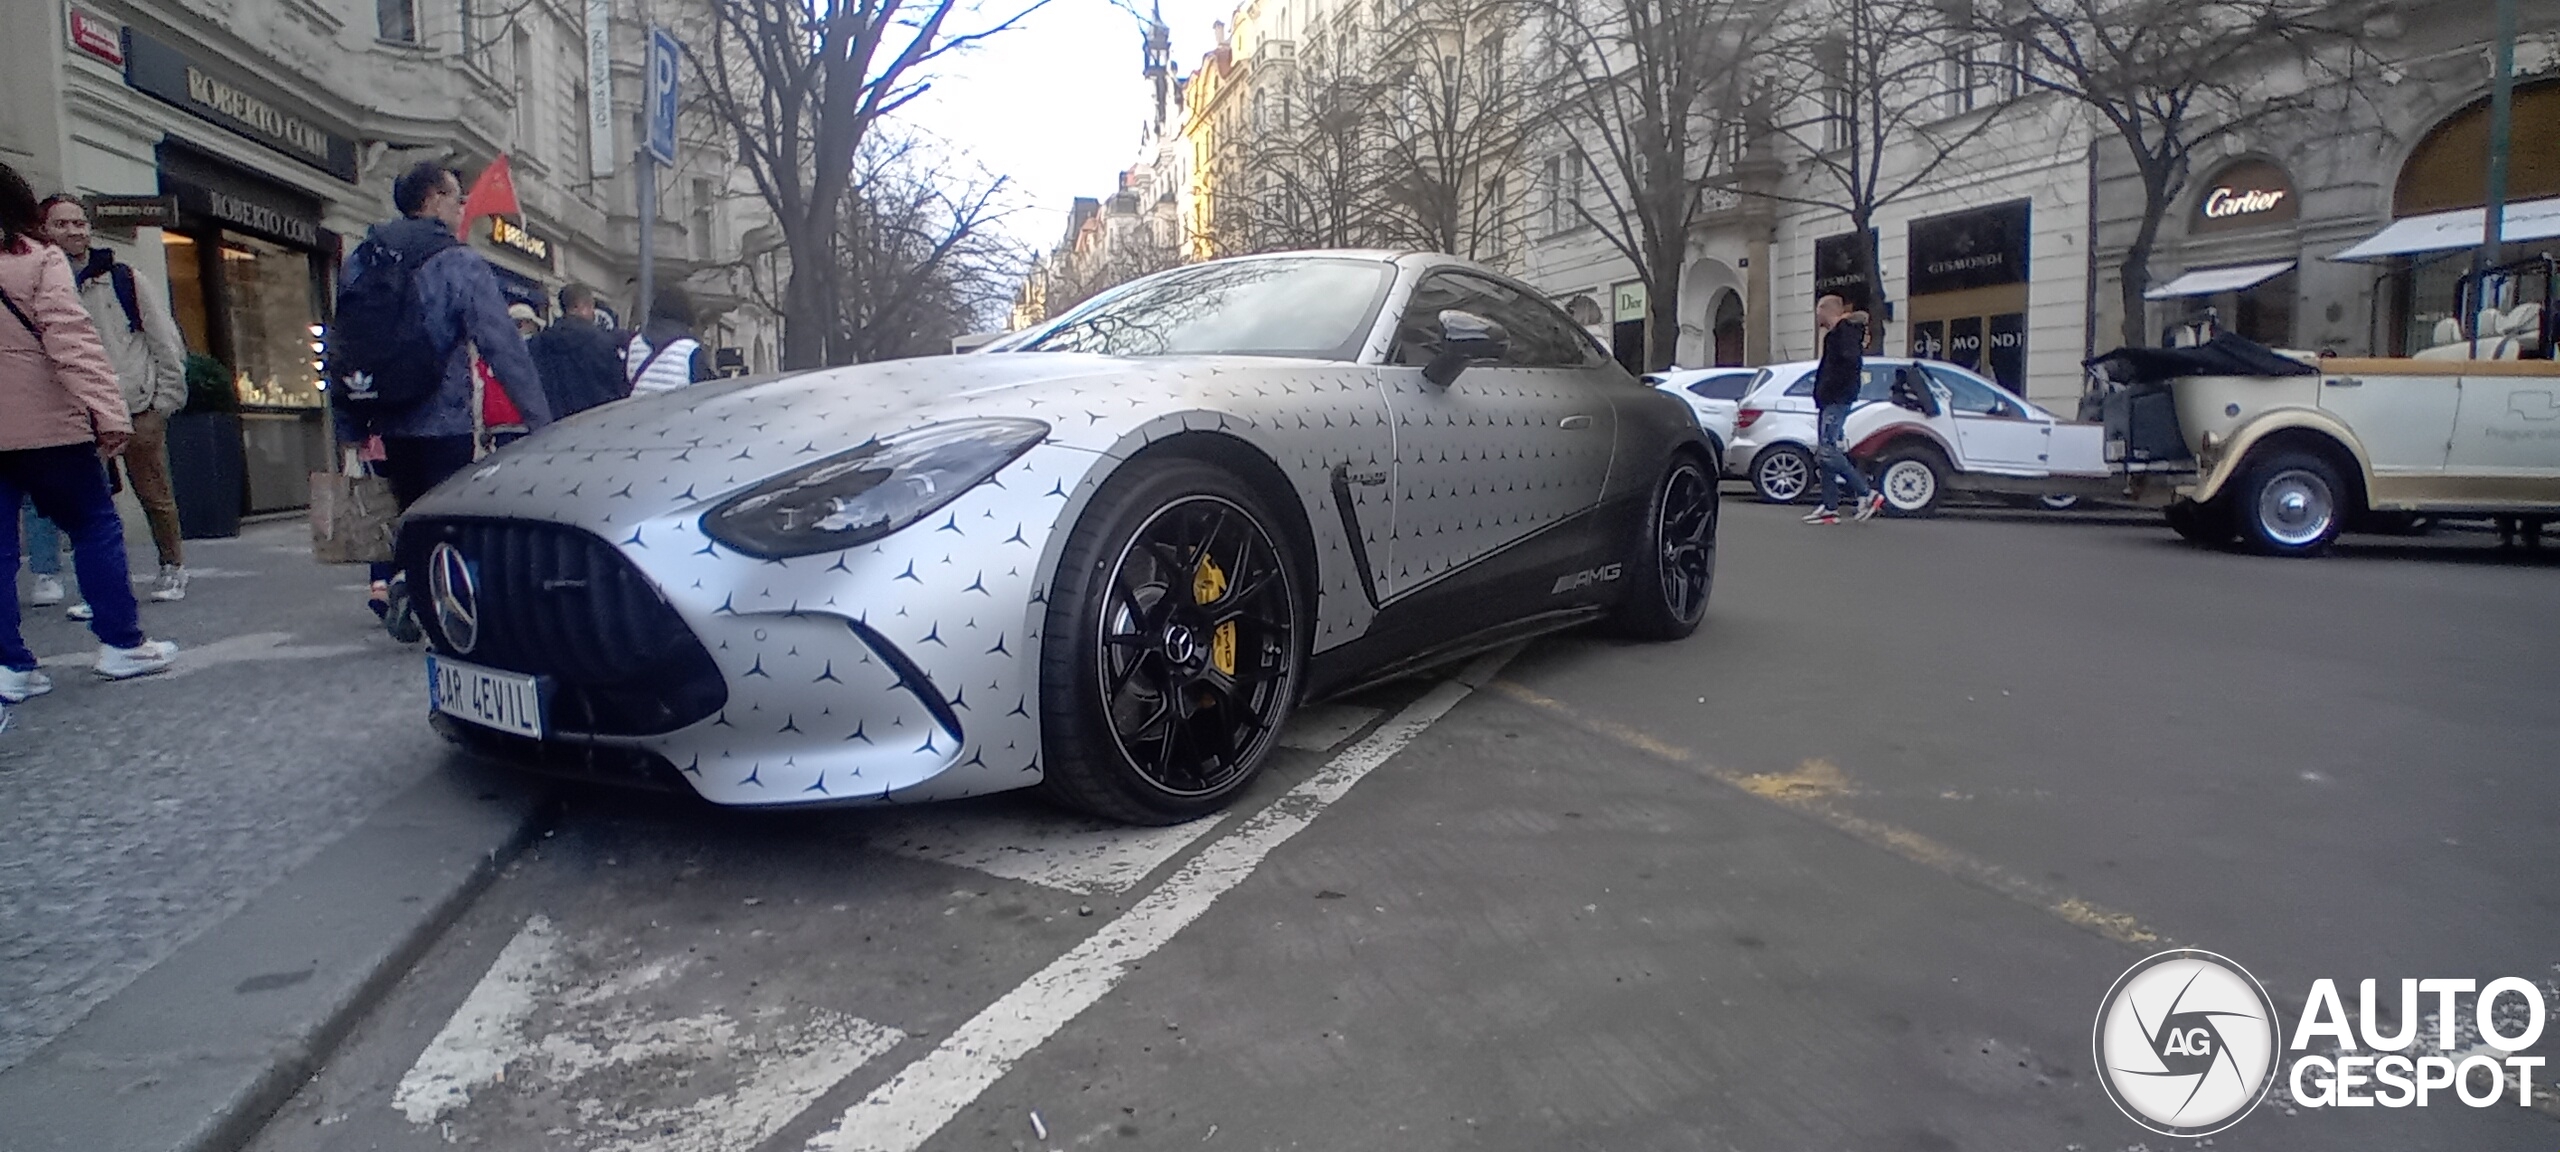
(1057, 103)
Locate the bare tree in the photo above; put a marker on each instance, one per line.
(1650, 93)
(1317, 158)
(1451, 117)
(1868, 96)
(2172, 78)
(801, 84)
(920, 260)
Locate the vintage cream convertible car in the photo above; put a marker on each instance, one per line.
(2282, 451)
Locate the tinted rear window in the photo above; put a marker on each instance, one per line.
(1727, 386)
(1875, 382)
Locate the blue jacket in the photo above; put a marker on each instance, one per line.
(463, 307)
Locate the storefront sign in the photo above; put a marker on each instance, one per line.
(1976, 249)
(210, 191)
(97, 36)
(516, 239)
(217, 94)
(1628, 301)
(2247, 194)
(1836, 268)
(126, 213)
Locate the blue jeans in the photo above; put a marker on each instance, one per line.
(69, 487)
(1832, 461)
(44, 543)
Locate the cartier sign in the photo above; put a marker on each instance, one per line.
(2247, 194)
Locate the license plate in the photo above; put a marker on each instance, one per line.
(506, 701)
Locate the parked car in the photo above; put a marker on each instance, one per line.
(1921, 429)
(1158, 522)
(2284, 451)
(1715, 394)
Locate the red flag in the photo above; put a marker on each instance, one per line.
(492, 194)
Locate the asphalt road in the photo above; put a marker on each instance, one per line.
(1853, 868)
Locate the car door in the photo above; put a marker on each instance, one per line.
(1993, 431)
(2508, 426)
(1508, 450)
(2404, 422)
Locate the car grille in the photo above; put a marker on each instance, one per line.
(559, 602)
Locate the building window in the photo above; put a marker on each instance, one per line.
(1956, 76)
(1564, 191)
(1835, 117)
(396, 20)
(701, 219)
(528, 117)
(475, 47)
(2016, 65)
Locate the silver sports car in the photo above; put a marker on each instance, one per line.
(1105, 557)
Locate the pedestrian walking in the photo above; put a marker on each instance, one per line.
(61, 417)
(1835, 391)
(577, 355)
(413, 305)
(141, 336)
(665, 355)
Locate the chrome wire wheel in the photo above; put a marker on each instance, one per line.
(1686, 540)
(1196, 656)
(2296, 507)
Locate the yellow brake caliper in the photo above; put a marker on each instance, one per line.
(1208, 583)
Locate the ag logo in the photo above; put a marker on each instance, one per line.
(2186, 1043)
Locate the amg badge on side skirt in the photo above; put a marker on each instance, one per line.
(1585, 578)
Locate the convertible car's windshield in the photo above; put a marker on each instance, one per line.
(1320, 309)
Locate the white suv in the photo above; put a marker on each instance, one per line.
(1949, 430)
(1715, 394)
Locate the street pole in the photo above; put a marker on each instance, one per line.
(647, 172)
(2502, 98)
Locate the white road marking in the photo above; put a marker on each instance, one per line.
(1051, 849)
(245, 647)
(782, 1067)
(906, 1111)
(486, 1033)
(1320, 727)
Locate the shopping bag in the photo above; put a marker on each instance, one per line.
(352, 518)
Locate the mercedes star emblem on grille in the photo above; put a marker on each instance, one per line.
(457, 597)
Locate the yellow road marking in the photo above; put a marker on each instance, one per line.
(1808, 790)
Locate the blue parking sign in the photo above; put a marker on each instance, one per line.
(664, 54)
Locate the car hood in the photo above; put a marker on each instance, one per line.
(658, 453)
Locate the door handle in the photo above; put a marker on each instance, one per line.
(2345, 382)
(1571, 423)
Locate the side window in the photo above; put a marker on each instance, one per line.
(1802, 387)
(1540, 335)
(1727, 386)
(1875, 381)
(1418, 333)
(1968, 397)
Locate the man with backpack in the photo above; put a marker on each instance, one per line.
(580, 362)
(141, 335)
(413, 302)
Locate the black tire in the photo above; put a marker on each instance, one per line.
(1782, 474)
(2290, 503)
(1672, 570)
(1914, 490)
(2205, 524)
(1117, 665)
(2057, 502)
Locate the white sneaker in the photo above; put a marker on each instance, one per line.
(16, 686)
(172, 584)
(81, 611)
(48, 591)
(140, 660)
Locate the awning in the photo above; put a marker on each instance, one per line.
(2215, 281)
(2458, 229)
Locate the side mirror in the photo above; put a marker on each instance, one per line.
(1464, 338)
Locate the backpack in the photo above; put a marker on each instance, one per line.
(380, 358)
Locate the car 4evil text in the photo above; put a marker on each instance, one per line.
(2393, 1080)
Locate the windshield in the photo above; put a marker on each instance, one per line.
(1320, 309)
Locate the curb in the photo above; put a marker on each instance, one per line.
(198, 1052)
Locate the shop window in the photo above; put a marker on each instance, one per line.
(267, 291)
(2450, 167)
(527, 119)
(187, 291)
(396, 20)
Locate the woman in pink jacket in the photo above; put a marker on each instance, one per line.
(61, 416)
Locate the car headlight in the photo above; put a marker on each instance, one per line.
(861, 495)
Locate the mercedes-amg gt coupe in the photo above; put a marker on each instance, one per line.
(1105, 557)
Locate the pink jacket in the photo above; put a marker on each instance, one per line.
(58, 389)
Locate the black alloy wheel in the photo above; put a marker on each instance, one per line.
(1676, 570)
(1187, 638)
